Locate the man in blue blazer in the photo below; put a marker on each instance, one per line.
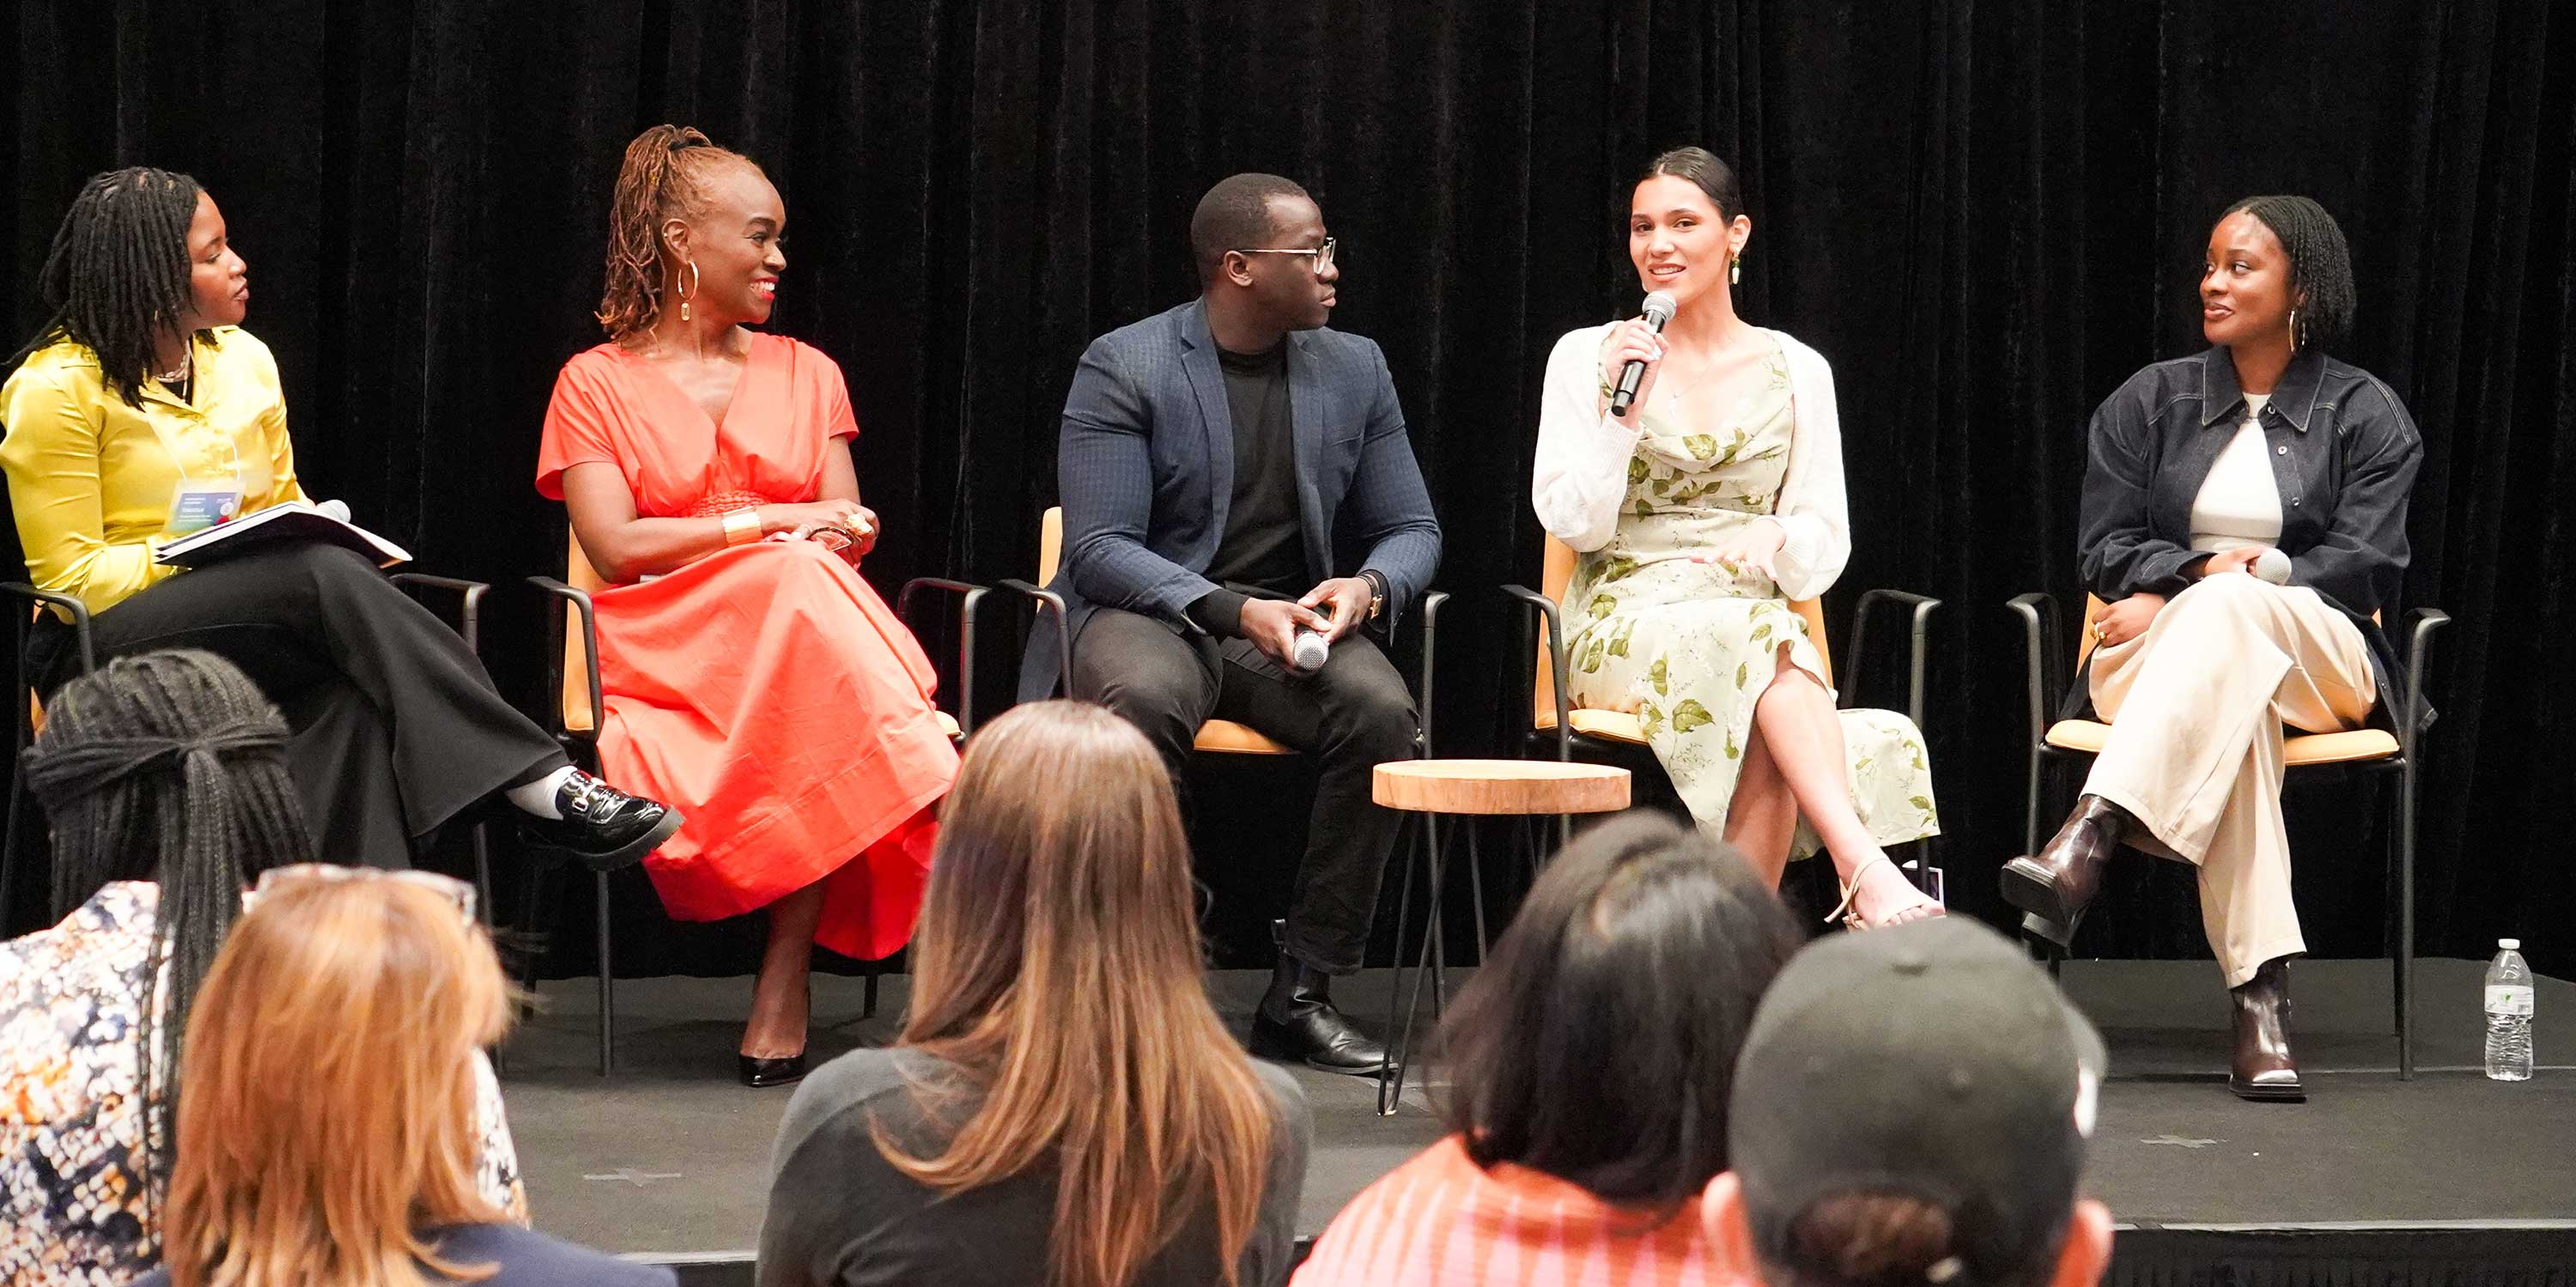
(1233, 474)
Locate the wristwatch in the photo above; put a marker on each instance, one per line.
(1377, 591)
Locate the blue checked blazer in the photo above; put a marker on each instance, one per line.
(1145, 465)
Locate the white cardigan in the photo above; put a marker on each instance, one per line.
(1579, 480)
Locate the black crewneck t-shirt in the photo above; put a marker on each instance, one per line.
(1264, 545)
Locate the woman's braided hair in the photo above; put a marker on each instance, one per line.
(168, 767)
(2320, 266)
(663, 177)
(118, 272)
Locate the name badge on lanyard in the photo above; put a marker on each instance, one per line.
(202, 503)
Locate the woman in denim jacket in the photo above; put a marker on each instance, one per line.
(2244, 519)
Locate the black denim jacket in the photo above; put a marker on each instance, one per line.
(2344, 454)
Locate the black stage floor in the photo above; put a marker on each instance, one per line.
(2370, 1181)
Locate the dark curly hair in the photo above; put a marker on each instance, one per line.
(2320, 267)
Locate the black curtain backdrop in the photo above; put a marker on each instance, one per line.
(1985, 214)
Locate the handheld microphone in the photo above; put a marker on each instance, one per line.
(1307, 650)
(2273, 566)
(1658, 310)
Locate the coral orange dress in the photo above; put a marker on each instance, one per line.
(764, 690)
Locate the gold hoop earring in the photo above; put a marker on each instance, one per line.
(2294, 330)
(691, 292)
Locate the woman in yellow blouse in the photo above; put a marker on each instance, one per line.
(141, 412)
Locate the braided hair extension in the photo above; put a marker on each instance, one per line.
(169, 767)
(118, 272)
(663, 177)
(2320, 267)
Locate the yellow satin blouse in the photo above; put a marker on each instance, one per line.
(92, 479)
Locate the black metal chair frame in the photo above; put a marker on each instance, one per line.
(582, 746)
(468, 626)
(2043, 646)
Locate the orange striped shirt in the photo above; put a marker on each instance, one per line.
(1440, 1220)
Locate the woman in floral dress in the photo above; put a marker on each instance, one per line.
(1698, 516)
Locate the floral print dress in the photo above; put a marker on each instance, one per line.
(1694, 642)
(79, 1206)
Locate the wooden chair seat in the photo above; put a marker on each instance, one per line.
(1499, 787)
(2090, 736)
(1610, 726)
(1217, 736)
(2357, 746)
(1226, 737)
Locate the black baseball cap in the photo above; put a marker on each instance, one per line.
(1933, 1060)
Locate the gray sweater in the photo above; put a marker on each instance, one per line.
(841, 1216)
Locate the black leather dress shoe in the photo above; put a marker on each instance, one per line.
(1297, 1021)
(2055, 884)
(2263, 1067)
(602, 828)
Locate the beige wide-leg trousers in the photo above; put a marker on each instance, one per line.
(2196, 706)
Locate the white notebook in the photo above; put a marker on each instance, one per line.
(291, 521)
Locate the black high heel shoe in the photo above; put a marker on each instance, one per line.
(759, 1073)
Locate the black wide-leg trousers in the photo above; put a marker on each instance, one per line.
(1352, 715)
(397, 728)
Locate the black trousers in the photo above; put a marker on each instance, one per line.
(1351, 716)
(397, 729)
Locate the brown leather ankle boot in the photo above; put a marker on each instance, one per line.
(2056, 883)
(2263, 1067)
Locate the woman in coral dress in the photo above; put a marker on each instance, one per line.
(748, 669)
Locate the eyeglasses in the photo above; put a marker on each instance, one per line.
(1323, 254)
(447, 887)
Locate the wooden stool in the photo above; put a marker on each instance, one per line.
(1470, 789)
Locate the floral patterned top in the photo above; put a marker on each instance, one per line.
(77, 1205)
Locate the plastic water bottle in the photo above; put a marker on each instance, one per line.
(2509, 998)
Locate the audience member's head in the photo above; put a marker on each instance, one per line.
(1598, 1043)
(168, 767)
(1057, 961)
(1911, 1111)
(328, 1116)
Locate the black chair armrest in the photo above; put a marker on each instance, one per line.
(968, 595)
(469, 597)
(1045, 600)
(2036, 642)
(2425, 621)
(1428, 676)
(1917, 649)
(71, 606)
(2036, 610)
(1544, 610)
(579, 601)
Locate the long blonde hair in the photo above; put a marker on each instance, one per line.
(327, 1113)
(1057, 963)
